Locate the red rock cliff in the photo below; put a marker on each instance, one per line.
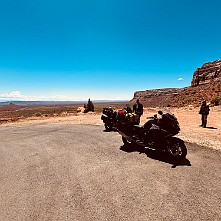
(206, 84)
(210, 71)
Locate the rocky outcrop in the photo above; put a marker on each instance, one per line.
(206, 84)
(157, 97)
(210, 71)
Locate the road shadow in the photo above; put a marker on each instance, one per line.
(156, 155)
(110, 130)
(213, 128)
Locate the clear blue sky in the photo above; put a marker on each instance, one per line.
(103, 49)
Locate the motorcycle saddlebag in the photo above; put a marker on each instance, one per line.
(133, 118)
(104, 117)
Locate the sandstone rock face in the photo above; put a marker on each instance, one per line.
(210, 71)
(206, 84)
(157, 97)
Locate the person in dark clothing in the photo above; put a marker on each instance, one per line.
(204, 111)
(128, 109)
(138, 109)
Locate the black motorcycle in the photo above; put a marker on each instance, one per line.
(109, 118)
(156, 133)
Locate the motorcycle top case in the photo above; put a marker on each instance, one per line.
(108, 111)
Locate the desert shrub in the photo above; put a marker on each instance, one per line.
(216, 101)
(38, 114)
(89, 106)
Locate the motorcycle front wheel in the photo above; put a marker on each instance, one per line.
(176, 148)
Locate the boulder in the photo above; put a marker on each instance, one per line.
(80, 110)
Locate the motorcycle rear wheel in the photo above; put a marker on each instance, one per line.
(177, 149)
(108, 127)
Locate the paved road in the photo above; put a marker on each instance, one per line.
(79, 172)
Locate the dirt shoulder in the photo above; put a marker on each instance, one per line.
(188, 118)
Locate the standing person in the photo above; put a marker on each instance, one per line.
(204, 111)
(128, 108)
(138, 109)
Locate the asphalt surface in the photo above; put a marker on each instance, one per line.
(80, 172)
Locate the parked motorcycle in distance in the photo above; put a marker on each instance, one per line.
(157, 134)
(109, 118)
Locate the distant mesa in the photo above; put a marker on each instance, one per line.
(205, 84)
